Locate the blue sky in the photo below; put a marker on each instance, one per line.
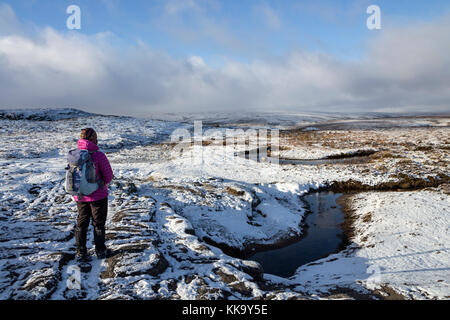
(250, 28)
(141, 56)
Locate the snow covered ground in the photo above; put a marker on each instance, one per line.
(402, 244)
(177, 220)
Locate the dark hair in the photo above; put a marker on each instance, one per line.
(89, 134)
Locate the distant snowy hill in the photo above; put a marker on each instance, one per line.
(278, 118)
(46, 114)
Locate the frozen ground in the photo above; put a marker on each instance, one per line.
(172, 216)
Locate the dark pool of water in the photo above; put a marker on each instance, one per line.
(259, 156)
(313, 162)
(323, 235)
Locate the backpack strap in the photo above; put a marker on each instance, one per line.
(100, 182)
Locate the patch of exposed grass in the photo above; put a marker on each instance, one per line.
(234, 192)
(367, 217)
(424, 148)
(402, 182)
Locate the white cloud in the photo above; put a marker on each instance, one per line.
(404, 68)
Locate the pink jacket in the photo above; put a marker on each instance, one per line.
(102, 169)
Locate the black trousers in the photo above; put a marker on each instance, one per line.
(97, 210)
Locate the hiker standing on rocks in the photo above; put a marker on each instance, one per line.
(95, 205)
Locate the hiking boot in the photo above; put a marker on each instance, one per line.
(82, 256)
(103, 254)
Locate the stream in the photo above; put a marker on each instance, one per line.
(323, 235)
(260, 155)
